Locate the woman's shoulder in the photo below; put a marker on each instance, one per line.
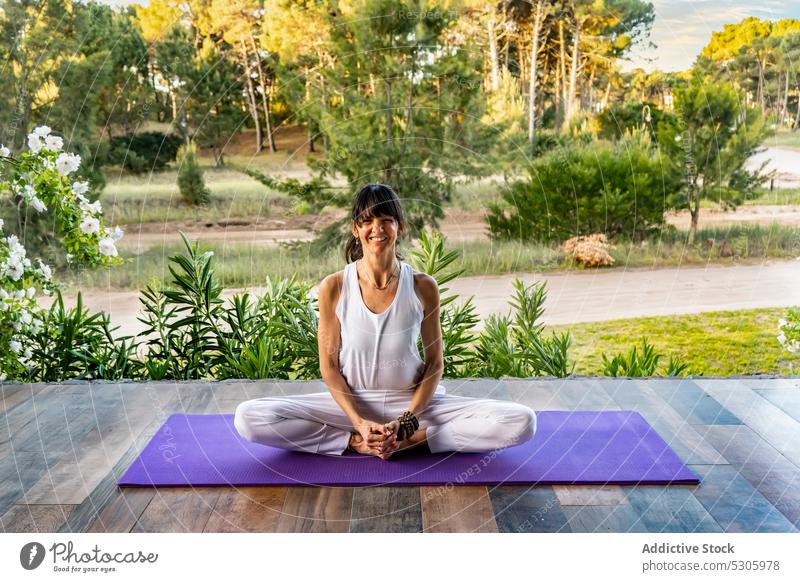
(330, 287)
(426, 288)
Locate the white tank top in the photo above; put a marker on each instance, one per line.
(378, 351)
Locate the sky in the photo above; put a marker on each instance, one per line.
(683, 27)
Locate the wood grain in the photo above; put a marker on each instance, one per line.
(316, 510)
(457, 509)
(35, 518)
(386, 510)
(247, 509)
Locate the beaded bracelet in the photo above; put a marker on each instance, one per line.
(408, 425)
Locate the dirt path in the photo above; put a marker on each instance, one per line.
(580, 296)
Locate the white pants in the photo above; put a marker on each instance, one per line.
(315, 423)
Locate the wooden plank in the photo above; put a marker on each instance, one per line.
(775, 477)
(787, 399)
(11, 395)
(19, 471)
(120, 417)
(316, 510)
(478, 388)
(603, 518)
(670, 509)
(765, 419)
(523, 509)
(691, 402)
(178, 510)
(675, 430)
(590, 495)
(535, 395)
(247, 509)
(35, 518)
(118, 513)
(734, 504)
(457, 509)
(583, 394)
(386, 510)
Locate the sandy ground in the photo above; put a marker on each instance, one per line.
(580, 296)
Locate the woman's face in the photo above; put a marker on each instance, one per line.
(378, 234)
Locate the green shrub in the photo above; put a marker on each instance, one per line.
(143, 152)
(638, 364)
(190, 177)
(615, 189)
(613, 122)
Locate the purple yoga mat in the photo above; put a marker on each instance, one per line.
(570, 447)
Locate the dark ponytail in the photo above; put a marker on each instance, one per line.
(373, 200)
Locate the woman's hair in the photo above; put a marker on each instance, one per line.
(374, 200)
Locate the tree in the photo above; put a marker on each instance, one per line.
(708, 143)
(404, 103)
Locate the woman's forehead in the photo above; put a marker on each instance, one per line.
(367, 215)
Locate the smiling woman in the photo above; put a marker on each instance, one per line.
(382, 395)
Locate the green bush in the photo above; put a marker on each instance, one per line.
(615, 121)
(638, 364)
(615, 189)
(190, 177)
(143, 152)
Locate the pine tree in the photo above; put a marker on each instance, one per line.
(190, 177)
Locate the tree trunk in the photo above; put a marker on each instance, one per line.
(694, 210)
(494, 65)
(387, 167)
(562, 68)
(573, 75)
(264, 97)
(251, 97)
(785, 106)
(537, 21)
(797, 116)
(761, 86)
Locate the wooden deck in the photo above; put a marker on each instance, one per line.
(62, 447)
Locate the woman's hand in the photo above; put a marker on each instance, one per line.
(375, 439)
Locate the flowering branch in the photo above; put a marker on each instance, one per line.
(41, 179)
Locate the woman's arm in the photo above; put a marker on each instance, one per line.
(328, 337)
(431, 332)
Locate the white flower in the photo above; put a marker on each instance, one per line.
(38, 204)
(30, 292)
(15, 346)
(34, 142)
(90, 225)
(95, 207)
(107, 247)
(782, 339)
(67, 163)
(1, 224)
(69, 257)
(45, 270)
(28, 353)
(4, 151)
(53, 143)
(25, 317)
(781, 322)
(42, 131)
(115, 234)
(79, 188)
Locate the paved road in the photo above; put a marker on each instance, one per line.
(580, 296)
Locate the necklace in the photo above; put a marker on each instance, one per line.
(386, 286)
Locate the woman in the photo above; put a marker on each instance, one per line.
(382, 397)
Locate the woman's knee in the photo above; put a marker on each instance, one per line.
(252, 417)
(521, 422)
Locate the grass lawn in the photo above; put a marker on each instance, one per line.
(718, 343)
(779, 196)
(155, 198)
(245, 265)
(784, 139)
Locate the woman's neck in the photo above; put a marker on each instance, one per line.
(379, 267)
